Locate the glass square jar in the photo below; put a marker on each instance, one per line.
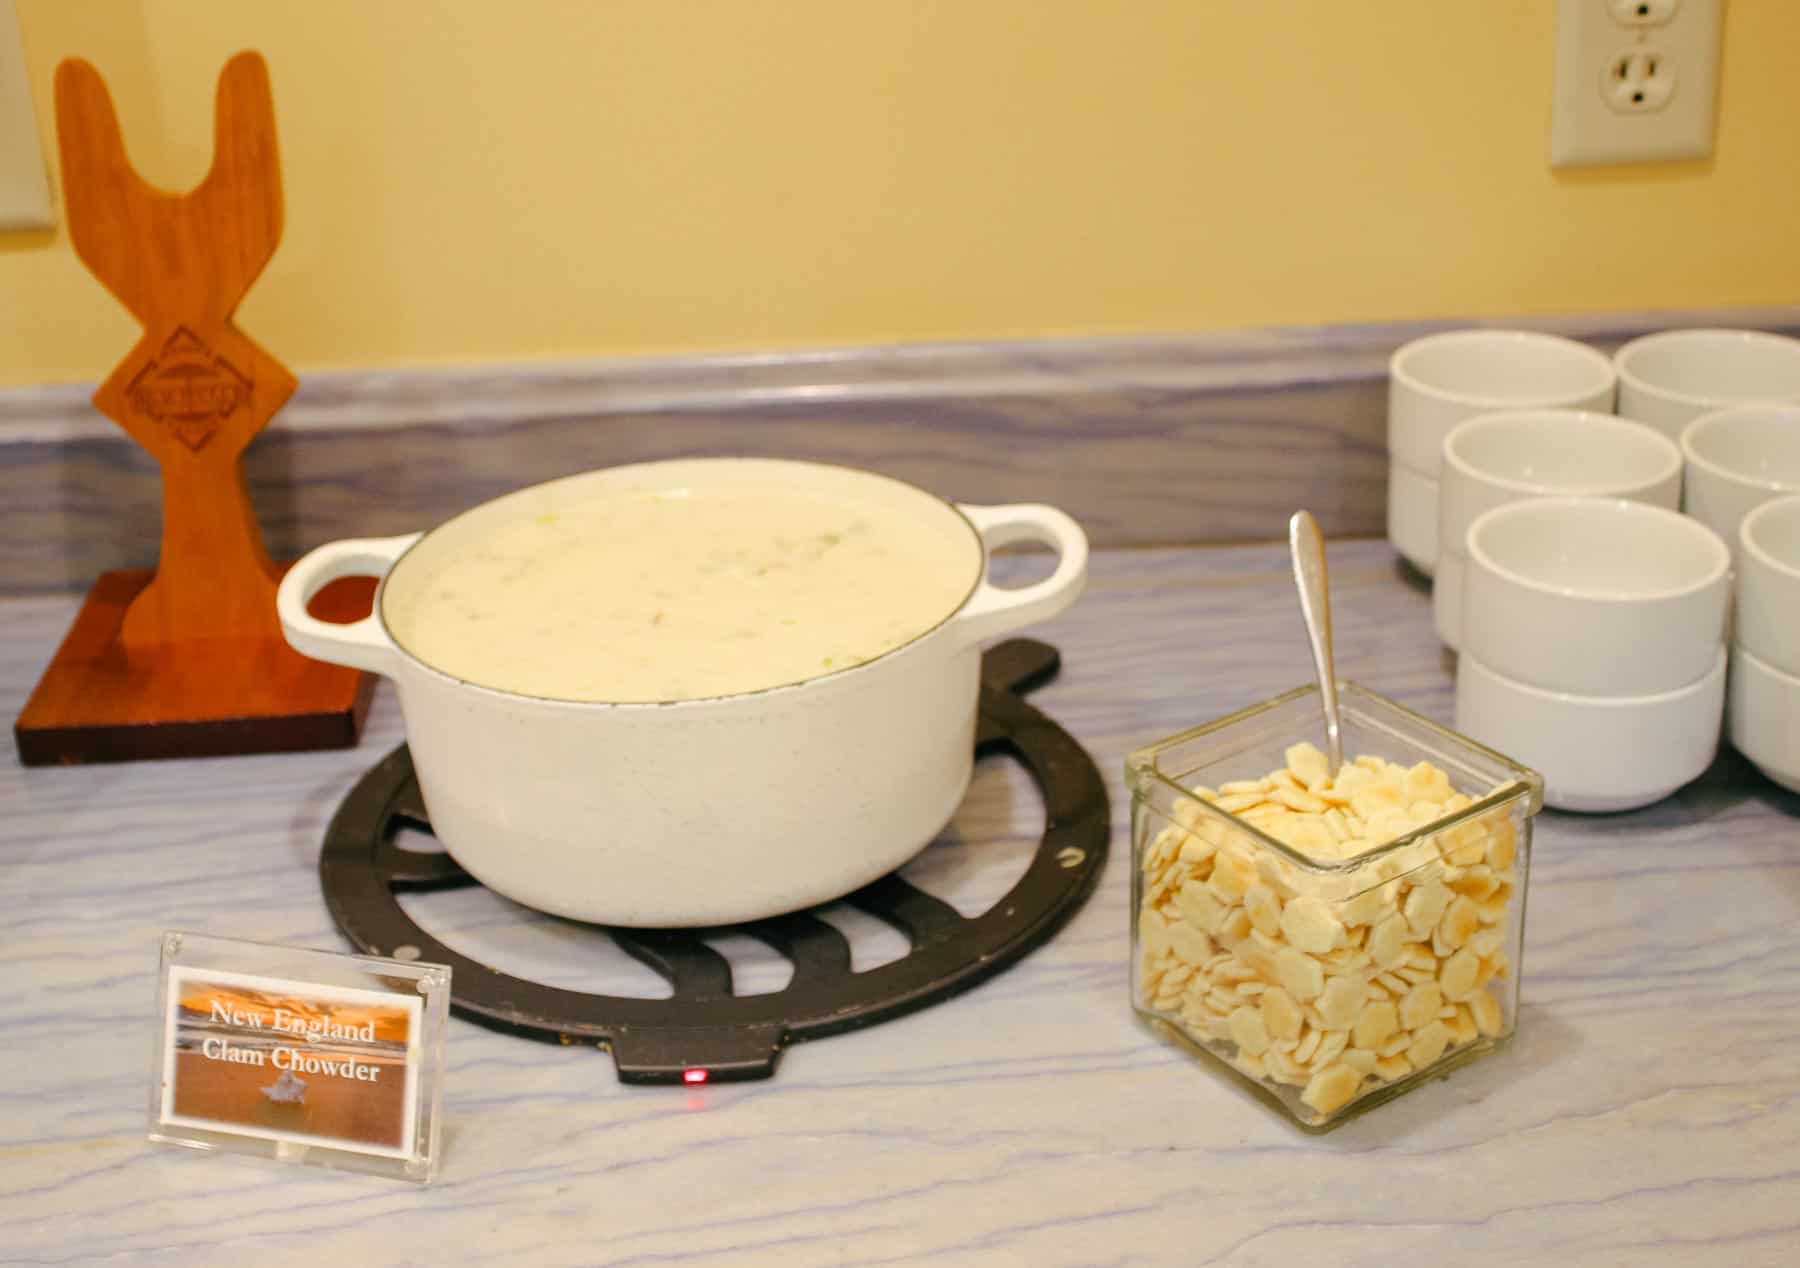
(1329, 985)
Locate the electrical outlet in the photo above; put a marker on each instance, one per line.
(1639, 82)
(1635, 79)
(24, 183)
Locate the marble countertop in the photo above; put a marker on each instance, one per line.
(1648, 1112)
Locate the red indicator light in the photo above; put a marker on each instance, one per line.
(693, 1076)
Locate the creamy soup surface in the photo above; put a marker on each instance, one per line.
(637, 596)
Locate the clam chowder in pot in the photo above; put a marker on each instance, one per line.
(636, 595)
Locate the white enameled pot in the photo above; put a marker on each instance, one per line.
(695, 812)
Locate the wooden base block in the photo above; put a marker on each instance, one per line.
(99, 702)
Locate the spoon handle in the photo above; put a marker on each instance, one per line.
(1307, 546)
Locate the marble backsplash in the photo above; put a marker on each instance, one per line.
(1148, 441)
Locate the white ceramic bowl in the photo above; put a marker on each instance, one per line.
(1436, 382)
(1494, 459)
(1597, 754)
(1768, 583)
(1737, 459)
(1412, 516)
(1765, 717)
(1598, 596)
(705, 811)
(1670, 378)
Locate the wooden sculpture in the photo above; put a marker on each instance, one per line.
(189, 659)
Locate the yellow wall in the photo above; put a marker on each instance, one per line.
(498, 180)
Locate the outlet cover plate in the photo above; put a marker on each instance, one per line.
(24, 183)
(1586, 128)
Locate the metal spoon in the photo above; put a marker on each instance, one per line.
(1307, 546)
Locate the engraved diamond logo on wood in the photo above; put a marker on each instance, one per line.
(188, 389)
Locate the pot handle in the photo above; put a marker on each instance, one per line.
(993, 610)
(361, 644)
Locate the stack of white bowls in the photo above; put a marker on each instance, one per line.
(1436, 382)
(1733, 397)
(1593, 646)
(1494, 459)
(1765, 658)
(1592, 619)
